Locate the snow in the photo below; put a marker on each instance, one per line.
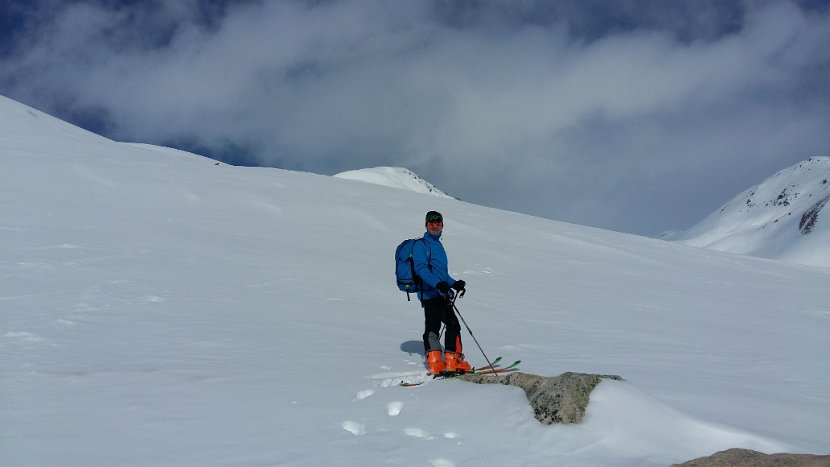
(395, 177)
(161, 309)
(767, 220)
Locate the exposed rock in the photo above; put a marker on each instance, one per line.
(749, 458)
(564, 398)
(555, 399)
(809, 218)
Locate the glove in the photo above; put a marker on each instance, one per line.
(443, 287)
(458, 286)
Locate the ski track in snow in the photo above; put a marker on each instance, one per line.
(23, 337)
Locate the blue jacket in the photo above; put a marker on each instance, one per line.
(431, 270)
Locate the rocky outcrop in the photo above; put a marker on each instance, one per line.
(748, 458)
(810, 217)
(564, 398)
(555, 399)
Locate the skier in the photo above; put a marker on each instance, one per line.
(430, 261)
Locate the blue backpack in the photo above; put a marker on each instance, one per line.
(408, 281)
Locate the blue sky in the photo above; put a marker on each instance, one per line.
(631, 115)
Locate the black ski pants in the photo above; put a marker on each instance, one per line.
(436, 311)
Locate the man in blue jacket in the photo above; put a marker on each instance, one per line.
(430, 261)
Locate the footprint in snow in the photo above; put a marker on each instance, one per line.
(354, 428)
(442, 463)
(394, 408)
(418, 433)
(364, 394)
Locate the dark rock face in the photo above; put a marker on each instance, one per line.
(809, 218)
(556, 399)
(748, 458)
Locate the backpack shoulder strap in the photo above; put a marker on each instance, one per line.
(426, 244)
(429, 255)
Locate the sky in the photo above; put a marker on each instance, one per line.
(638, 116)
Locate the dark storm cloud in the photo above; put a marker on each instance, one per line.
(631, 115)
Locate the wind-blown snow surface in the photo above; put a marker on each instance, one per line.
(395, 177)
(785, 217)
(159, 309)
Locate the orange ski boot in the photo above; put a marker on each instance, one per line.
(456, 363)
(434, 362)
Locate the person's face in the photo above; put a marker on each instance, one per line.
(435, 227)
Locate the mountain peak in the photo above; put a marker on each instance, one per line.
(395, 177)
(778, 218)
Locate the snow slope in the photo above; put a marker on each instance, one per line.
(395, 177)
(160, 309)
(783, 218)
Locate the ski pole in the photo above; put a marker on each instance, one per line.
(452, 302)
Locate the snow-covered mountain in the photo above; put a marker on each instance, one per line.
(395, 177)
(783, 218)
(158, 308)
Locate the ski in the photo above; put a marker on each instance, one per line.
(408, 384)
(487, 370)
(513, 365)
(495, 364)
(498, 369)
(494, 371)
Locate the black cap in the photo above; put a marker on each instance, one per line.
(434, 216)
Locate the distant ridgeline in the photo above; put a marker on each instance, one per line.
(780, 218)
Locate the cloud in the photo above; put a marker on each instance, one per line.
(631, 115)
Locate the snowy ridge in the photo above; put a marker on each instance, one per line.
(159, 309)
(784, 218)
(395, 177)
